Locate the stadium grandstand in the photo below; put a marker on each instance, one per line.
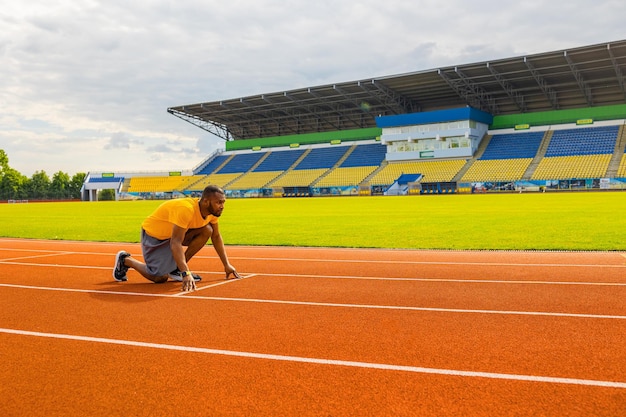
(542, 122)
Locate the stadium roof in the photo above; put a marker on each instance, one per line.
(587, 76)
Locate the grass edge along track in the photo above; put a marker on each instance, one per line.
(582, 221)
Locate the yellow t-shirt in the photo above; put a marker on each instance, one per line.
(183, 212)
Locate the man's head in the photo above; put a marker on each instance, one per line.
(212, 201)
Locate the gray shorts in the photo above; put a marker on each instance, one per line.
(157, 255)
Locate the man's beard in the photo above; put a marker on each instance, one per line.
(212, 212)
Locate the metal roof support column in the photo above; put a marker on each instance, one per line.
(468, 92)
(486, 101)
(404, 104)
(547, 90)
(584, 88)
(618, 70)
(217, 129)
(508, 88)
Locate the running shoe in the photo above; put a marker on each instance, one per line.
(119, 272)
(176, 276)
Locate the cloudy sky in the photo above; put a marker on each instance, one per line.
(85, 85)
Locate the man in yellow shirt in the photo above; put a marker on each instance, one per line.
(174, 225)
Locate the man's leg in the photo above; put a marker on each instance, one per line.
(143, 270)
(157, 254)
(196, 239)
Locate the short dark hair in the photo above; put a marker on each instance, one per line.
(209, 190)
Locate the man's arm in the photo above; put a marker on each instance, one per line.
(218, 244)
(178, 251)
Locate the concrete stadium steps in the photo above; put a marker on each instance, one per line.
(618, 153)
(621, 170)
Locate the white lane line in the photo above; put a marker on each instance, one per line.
(331, 362)
(320, 304)
(358, 277)
(465, 281)
(43, 255)
(61, 242)
(205, 287)
(110, 268)
(324, 249)
(361, 261)
(404, 262)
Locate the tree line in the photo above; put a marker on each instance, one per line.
(16, 186)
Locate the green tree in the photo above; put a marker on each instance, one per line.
(4, 161)
(59, 186)
(39, 185)
(106, 195)
(12, 184)
(76, 184)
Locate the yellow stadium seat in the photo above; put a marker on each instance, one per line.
(298, 178)
(577, 166)
(253, 180)
(432, 171)
(345, 176)
(497, 170)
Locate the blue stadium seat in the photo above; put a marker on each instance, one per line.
(365, 155)
(213, 165)
(322, 157)
(585, 141)
(241, 163)
(110, 179)
(513, 146)
(279, 160)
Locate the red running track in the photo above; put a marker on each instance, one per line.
(313, 332)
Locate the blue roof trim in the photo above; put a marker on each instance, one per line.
(439, 116)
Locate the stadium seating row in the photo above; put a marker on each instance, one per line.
(316, 158)
(570, 153)
(253, 180)
(577, 166)
(513, 146)
(106, 179)
(346, 176)
(299, 177)
(496, 170)
(432, 171)
(588, 141)
(162, 183)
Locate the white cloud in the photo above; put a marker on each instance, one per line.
(120, 140)
(85, 84)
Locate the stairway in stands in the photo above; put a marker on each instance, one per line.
(620, 144)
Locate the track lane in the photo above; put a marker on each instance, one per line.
(570, 347)
(100, 380)
(566, 347)
(594, 296)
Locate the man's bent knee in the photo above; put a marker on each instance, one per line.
(202, 233)
(159, 280)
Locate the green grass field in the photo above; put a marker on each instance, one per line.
(531, 221)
